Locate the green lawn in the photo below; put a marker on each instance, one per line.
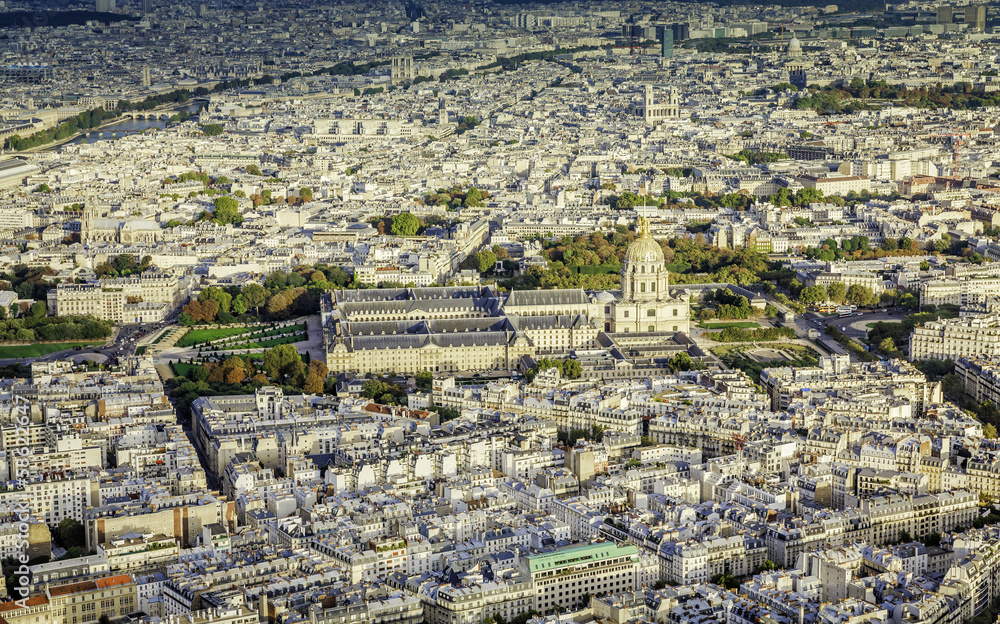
(181, 368)
(40, 349)
(195, 336)
(265, 344)
(725, 324)
(140, 350)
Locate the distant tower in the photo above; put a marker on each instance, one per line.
(944, 15)
(147, 6)
(402, 70)
(87, 220)
(648, 104)
(145, 76)
(975, 17)
(666, 43)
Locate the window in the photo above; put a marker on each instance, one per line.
(651, 313)
(642, 287)
(626, 313)
(652, 328)
(675, 311)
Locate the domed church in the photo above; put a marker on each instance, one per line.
(645, 303)
(454, 329)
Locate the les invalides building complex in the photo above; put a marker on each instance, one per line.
(453, 329)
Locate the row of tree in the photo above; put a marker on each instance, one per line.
(762, 334)
(40, 328)
(837, 292)
(283, 295)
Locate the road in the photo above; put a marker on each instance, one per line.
(121, 345)
(854, 326)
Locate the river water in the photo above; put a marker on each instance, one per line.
(125, 127)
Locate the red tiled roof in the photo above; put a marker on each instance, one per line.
(84, 586)
(33, 601)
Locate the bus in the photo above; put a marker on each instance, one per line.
(843, 311)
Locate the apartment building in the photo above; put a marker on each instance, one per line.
(951, 339)
(145, 298)
(565, 577)
(837, 375)
(960, 291)
(980, 376)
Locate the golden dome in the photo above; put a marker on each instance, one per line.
(644, 248)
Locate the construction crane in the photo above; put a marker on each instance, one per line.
(956, 142)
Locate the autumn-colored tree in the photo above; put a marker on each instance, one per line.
(315, 376)
(216, 375)
(278, 306)
(235, 376)
(210, 310)
(202, 311)
(260, 378)
(313, 385)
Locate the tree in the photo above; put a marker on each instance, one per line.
(485, 261)
(38, 309)
(425, 381)
(989, 431)
(253, 170)
(306, 193)
(282, 362)
(279, 306)
(254, 295)
(888, 347)
(861, 296)
(315, 376)
(405, 224)
(836, 292)
(732, 200)
(240, 306)
(219, 296)
(227, 210)
(681, 362)
(572, 369)
(813, 294)
(473, 197)
(212, 129)
(72, 533)
(197, 373)
(925, 266)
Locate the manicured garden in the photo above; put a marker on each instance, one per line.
(197, 337)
